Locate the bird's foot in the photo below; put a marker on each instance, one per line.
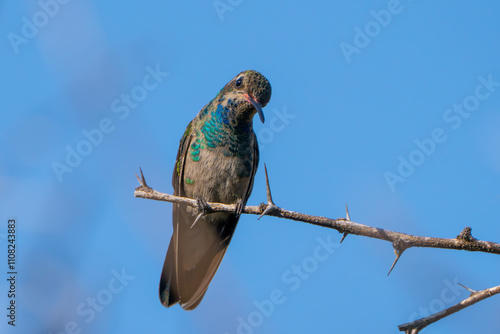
(202, 208)
(238, 209)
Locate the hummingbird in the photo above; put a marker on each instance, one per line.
(216, 162)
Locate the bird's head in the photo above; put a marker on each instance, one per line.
(246, 94)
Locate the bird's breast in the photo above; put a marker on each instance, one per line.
(217, 174)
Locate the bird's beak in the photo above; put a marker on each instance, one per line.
(256, 104)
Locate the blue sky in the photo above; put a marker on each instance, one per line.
(390, 107)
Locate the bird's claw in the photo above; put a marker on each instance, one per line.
(202, 208)
(238, 209)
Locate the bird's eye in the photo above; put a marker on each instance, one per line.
(239, 81)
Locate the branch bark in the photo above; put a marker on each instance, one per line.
(400, 241)
(476, 296)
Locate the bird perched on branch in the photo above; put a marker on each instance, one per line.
(216, 162)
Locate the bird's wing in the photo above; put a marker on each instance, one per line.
(169, 291)
(255, 165)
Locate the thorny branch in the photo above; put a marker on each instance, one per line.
(416, 326)
(400, 241)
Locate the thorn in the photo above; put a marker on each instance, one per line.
(142, 178)
(271, 207)
(343, 237)
(142, 181)
(201, 214)
(393, 264)
(203, 209)
(348, 218)
(347, 213)
(398, 255)
(472, 292)
(399, 247)
(268, 188)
